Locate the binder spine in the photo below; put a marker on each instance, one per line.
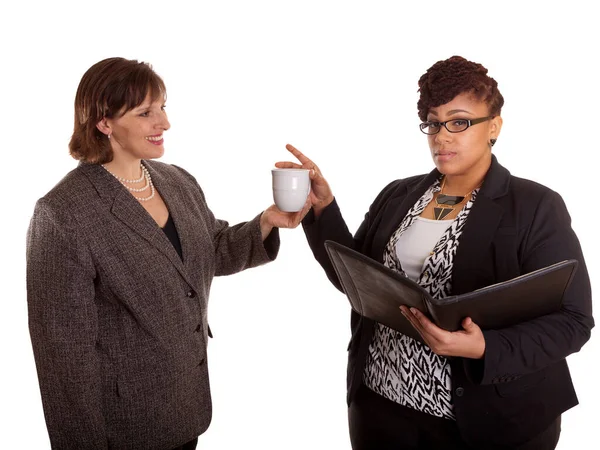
(345, 279)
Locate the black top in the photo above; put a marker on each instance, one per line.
(171, 233)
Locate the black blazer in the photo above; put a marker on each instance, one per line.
(516, 226)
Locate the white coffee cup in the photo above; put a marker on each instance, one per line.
(290, 188)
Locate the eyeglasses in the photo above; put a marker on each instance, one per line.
(453, 126)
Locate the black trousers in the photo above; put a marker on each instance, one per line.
(188, 446)
(377, 423)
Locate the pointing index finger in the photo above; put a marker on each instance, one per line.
(298, 154)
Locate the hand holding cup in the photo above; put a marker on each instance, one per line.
(320, 194)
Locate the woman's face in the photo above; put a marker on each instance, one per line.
(469, 151)
(138, 133)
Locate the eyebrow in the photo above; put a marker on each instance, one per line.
(453, 111)
(146, 106)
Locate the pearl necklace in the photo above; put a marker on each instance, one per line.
(145, 175)
(123, 180)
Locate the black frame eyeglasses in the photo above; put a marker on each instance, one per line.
(453, 125)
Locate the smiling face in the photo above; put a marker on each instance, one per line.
(467, 153)
(138, 133)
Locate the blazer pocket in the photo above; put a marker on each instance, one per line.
(156, 405)
(153, 382)
(521, 386)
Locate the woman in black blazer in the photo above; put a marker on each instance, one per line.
(467, 224)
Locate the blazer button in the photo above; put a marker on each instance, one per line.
(459, 392)
(198, 328)
(191, 294)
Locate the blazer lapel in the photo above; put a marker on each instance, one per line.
(174, 196)
(128, 210)
(474, 241)
(480, 228)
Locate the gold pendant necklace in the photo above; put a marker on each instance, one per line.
(446, 203)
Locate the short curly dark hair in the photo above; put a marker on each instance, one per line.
(448, 78)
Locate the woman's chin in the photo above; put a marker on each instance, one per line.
(156, 153)
(446, 167)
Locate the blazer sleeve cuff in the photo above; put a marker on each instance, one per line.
(269, 248)
(485, 370)
(312, 224)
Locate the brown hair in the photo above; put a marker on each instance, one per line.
(109, 89)
(446, 79)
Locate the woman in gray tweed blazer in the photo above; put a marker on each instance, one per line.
(120, 258)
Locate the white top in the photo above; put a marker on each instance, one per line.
(417, 243)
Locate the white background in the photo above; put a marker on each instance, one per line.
(339, 81)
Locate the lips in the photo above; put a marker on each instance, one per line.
(444, 155)
(156, 140)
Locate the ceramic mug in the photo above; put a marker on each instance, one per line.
(290, 188)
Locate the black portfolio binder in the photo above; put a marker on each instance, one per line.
(376, 292)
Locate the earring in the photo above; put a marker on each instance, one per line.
(108, 136)
(492, 142)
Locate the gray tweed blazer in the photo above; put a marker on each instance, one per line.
(117, 320)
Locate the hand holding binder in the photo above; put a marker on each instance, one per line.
(376, 292)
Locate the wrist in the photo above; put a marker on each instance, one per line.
(318, 208)
(265, 225)
(478, 352)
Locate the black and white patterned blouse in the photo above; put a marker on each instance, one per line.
(398, 367)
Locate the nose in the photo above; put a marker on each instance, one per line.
(443, 136)
(164, 123)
